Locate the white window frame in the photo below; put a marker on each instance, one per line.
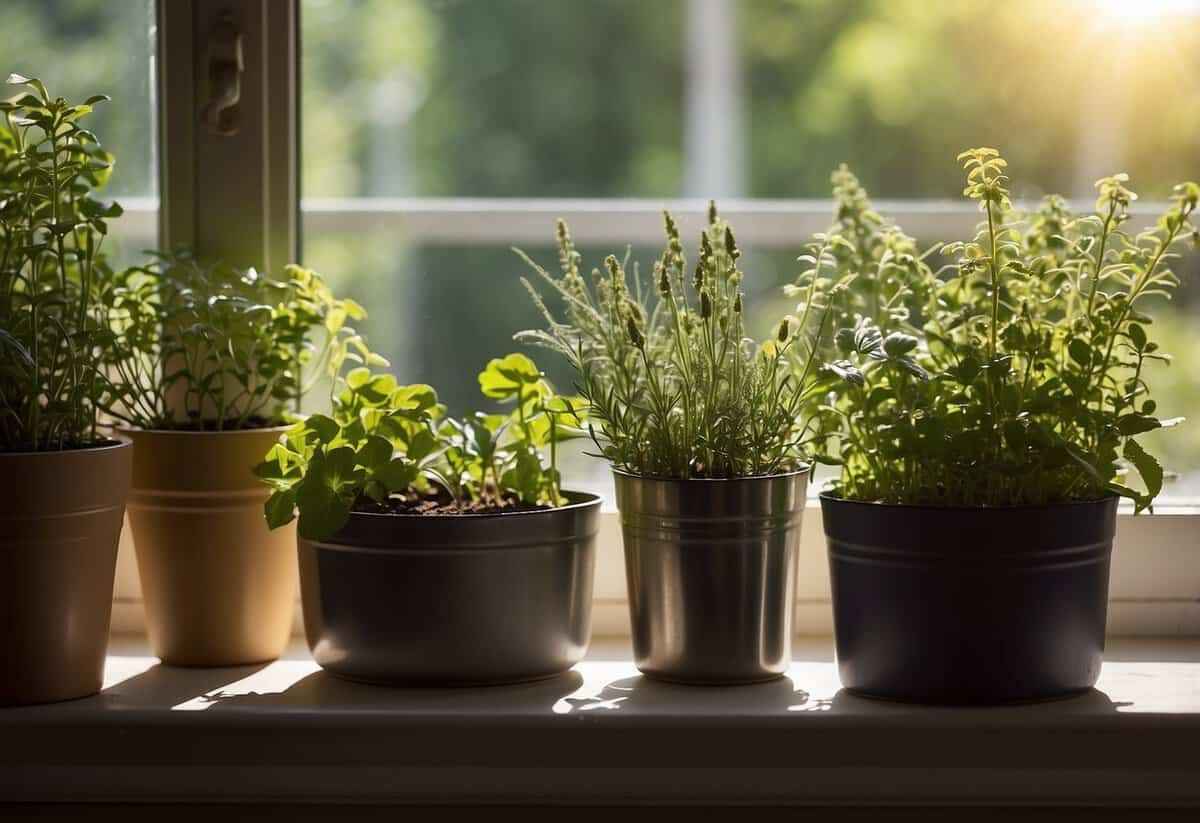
(236, 198)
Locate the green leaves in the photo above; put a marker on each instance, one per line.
(1080, 352)
(384, 440)
(1136, 423)
(1150, 470)
(53, 380)
(15, 79)
(215, 347)
(323, 511)
(322, 429)
(985, 177)
(898, 344)
(280, 508)
(509, 378)
(1036, 336)
(847, 371)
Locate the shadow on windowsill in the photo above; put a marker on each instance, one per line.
(645, 696)
(322, 692)
(163, 685)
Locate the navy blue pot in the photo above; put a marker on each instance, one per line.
(969, 605)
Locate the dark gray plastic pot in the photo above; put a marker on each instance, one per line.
(452, 600)
(969, 605)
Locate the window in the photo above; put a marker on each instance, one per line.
(435, 133)
(78, 47)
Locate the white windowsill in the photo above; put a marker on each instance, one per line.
(287, 732)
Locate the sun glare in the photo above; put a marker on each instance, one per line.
(1147, 11)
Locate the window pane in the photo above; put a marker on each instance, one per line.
(85, 47)
(757, 98)
(1069, 91)
(493, 98)
(439, 313)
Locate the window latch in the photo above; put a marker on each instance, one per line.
(225, 66)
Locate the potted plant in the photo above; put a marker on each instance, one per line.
(64, 499)
(435, 550)
(212, 361)
(986, 416)
(702, 426)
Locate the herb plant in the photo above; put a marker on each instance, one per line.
(1014, 374)
(52, 229)
(670, 379)
(208, 347)
(391, 448)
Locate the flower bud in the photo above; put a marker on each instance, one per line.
(731, 247)
(712, 212)
(664, 281)
(737, 303)
(785, 331)
(698, 277)
(635, 334)
(706, 306)
(567, 256)
(613, 266)
(672, 227)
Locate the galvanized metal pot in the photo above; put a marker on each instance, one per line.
(219, 586)
(60, 524)
(969, 605)
(711, 569)
(452, 600)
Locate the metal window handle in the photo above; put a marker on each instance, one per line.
(225, 66)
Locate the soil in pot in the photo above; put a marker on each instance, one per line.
(438, 501)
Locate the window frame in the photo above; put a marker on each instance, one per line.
(238, 198)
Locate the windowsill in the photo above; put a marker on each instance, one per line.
(287, 732)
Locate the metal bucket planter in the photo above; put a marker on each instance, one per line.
(452, 600)
(711, 570)
(60, 525)
(969, 605)
(219, 586)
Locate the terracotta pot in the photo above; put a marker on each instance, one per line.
(218, 585)
(60, 525)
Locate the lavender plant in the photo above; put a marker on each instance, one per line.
(673, 385)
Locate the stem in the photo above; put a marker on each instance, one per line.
(995, 284)
(1112, 209)
(1135, 292)
(554, 490)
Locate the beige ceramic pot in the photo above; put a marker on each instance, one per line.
(219, 586)
(60, 525)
